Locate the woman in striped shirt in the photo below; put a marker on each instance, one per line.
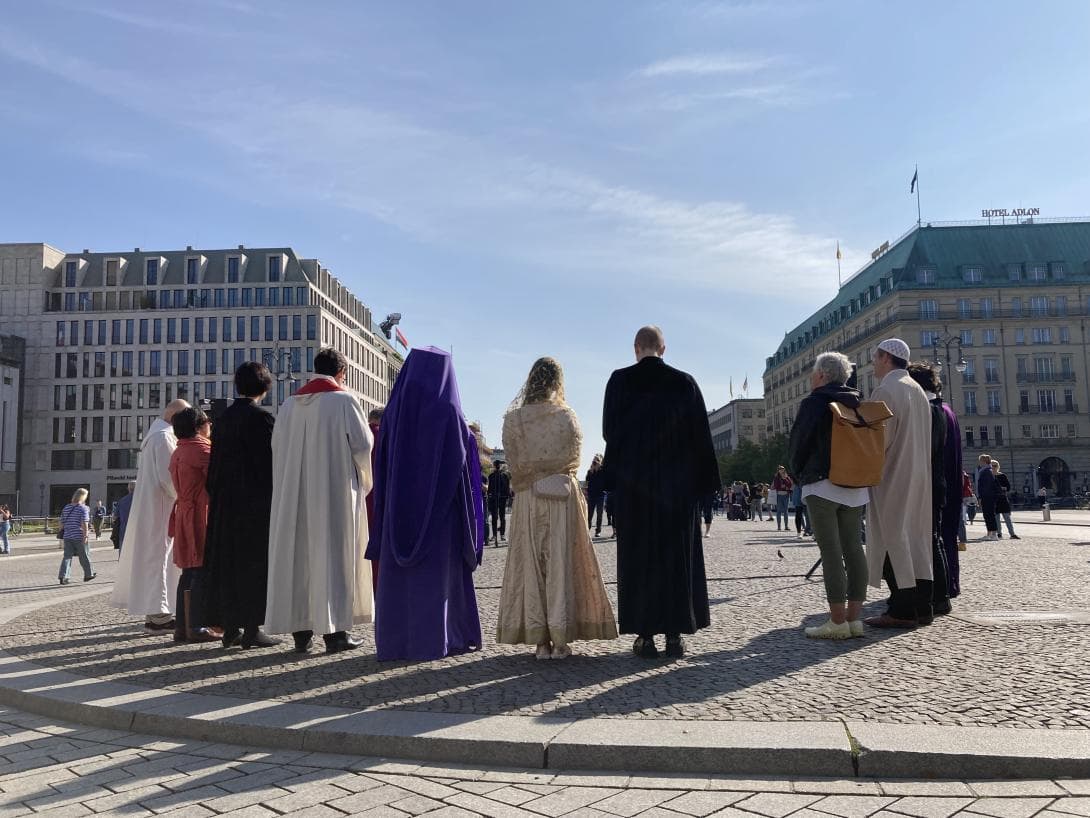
(76, 522)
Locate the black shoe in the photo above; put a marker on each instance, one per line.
(925, 618)
(303, 640)
(1015, 537)
(257, 639)
(64, 582)
(339, 641)
(645, 648)
(88, 579)
(943, 608)
(675, 647)
(231, 637)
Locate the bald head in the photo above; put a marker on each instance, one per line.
(173, 408)
(649, 341)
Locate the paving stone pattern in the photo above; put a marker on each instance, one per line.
(753, 663)
(56, 769)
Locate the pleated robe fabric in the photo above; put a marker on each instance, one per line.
(951, 514)
(899, 517)
(240, 484)
(428, 535)
(660, 461)
(147, 577)
(318, 578)
(552, 585)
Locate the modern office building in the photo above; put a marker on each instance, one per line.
(741, 419)
(1003, 308)
(111, 338)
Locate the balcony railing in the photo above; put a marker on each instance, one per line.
(1046, 377)
(1066, 409)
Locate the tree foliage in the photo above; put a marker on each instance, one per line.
(754, 462)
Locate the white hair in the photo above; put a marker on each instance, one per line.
(836, 366)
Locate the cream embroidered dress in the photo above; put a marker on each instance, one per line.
(552, 586)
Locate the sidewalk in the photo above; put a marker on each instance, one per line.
(38, 544)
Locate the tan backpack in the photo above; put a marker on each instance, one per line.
(858, 448)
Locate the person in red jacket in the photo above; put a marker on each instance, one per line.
(781, 488)
(189, 519)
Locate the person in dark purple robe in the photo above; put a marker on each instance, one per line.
(951, 515)
(428, 526)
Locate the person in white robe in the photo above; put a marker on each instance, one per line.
(899, 512)
(146, 575)
(319, 581)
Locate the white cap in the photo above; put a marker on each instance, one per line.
(896, 347)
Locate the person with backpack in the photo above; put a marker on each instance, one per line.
(836, 512)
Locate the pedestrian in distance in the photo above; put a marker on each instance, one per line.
(755, 511)
(836, 512)
(987, 491)
(240, 485)
(552, 592)
(660, 458)
(319, 581)
(147, 578)
(1002, 500)
(189, 522)
(899, 508)
(122, 509)
(782, 487)
(75, 529)
(595, 481)
(98, 518)
(5, 527)
(499, 492)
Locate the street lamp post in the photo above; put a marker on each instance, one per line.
(944, 341)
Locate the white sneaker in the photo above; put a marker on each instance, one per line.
(830, 630)
(800, 536)
(856, 626)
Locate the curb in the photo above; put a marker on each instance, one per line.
(837, 749)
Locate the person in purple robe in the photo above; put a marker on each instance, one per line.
(428, 528)
(951, 515)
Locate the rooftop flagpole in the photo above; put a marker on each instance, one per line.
(839, 283)
(915, 186)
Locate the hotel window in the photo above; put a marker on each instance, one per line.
(283, 328)
(191, 270)
(1042, 335)
(100, 364)
(232, 269)
(70, 268)
(129, 328)
(987, 307)
(232, 297)
(151, 272)
(274, 296)
(1038, 305)
(1038, 272)
(1019, 336)
(198, 330)
(213, 327)
(929, 309)
(111, 272)
(1069, 400)
(1046, 400)
(115, 332)
(143, 330)
(71, 365)
(255, 327)
(1027, 430)
(170, 362)
(247, 297)
(185, 331)
(274, 268)
(1058, 270)
(183, 361)
(994, 402)
(312, 327)
(1065, 367)
(268, 328)
(1061, 305)
(179, 299)
(126, 364)
(210, 362)
(205, 298)
(1071, 430)
(970, 402)
(301, 296)
(991, 370)
(973, 275)
(155, 395)
(240, 328)
(966, 337)
(69, 302)
(172, 330)
(965, 308)
(968, 437)
(296, 328)
(1050, 431)
(1014, 272)
(1043, 367)
(218, 297)
(259, 296)
(925, 275)
(989, 337)
(929, 338)
(226, 335)
(141, 361)
(1016, 308)
(164, 299)
(984, 436)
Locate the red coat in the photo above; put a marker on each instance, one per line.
(189, 519)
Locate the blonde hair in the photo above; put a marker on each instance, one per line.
(545, 383)
(79, 496)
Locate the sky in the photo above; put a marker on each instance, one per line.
(528, 179)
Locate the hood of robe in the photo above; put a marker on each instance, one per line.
(426, 462)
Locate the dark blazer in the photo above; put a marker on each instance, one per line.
(810, 446)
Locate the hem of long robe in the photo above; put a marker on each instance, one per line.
(584, 631)
(688, 630)
(297, 625)
(421, 656)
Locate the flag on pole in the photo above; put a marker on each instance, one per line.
(912, 184)
(401, 338)
(838, 254)
(745, 385)
(732, 387)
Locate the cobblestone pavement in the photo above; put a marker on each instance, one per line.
(56, 770)
(754, 663)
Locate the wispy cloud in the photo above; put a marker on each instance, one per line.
(706, 65)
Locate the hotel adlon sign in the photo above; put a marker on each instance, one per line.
(1013, 212)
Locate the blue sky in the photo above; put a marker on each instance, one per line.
(526, 179)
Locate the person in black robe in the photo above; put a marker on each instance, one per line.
(661, 463)
(236, 551)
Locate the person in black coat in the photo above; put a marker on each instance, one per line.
(498, 489)
(236, 551)
(660, 459)
(595, 493)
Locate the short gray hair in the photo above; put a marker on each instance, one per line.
(836, 366)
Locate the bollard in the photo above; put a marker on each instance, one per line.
(1046, 513)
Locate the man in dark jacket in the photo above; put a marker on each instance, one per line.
(596, 482)
(987, 491)
(660, 459)
(499, 491)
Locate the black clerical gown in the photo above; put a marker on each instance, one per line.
(236, 551)
(660, 461)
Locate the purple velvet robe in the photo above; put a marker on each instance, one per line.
(428, 527)
(951, 513)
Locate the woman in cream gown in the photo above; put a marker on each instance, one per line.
(552, 587)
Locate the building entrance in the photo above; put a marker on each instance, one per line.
(1054, 475)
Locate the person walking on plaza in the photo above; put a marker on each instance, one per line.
(899, 508)
(75, 528)
(98, 518)
(660, 458)
(240, 484)
(122, 509)
(987, 491)
(319, 580)
(755, 511)
(552, 592)
(146, 575)
(782, 488)
(189, 522)
(1002, 501)
(429, 516)
(5, 527)
(836, 512)
(802, 517)
(499, 492)
(595, 494)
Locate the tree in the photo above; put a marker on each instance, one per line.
(754, 462)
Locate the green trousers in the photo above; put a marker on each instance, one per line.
(838, 531)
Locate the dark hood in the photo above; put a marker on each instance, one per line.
(839, 393)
